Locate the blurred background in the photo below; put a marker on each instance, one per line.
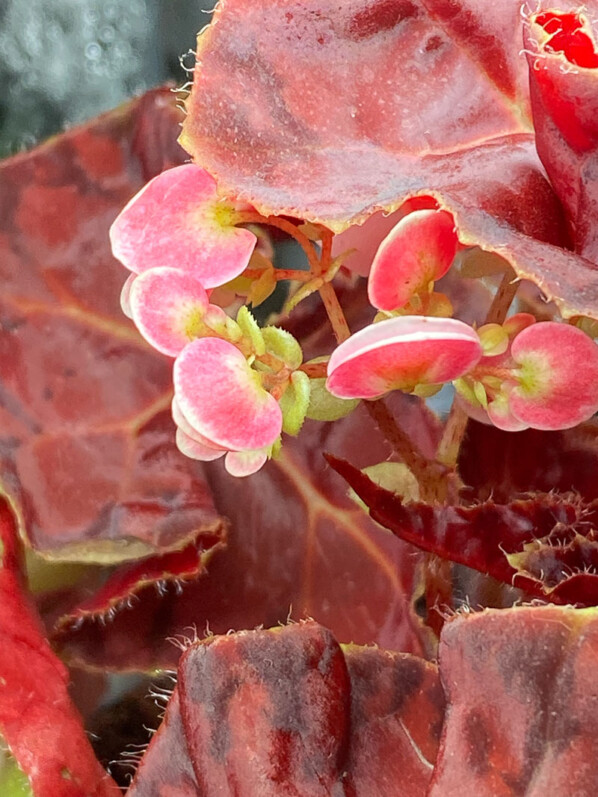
(64, 61)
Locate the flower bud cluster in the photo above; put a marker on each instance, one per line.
(236, 387)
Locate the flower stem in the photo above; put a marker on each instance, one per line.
(327, 293)
(427, 472)
(454, 430)
(252, 217)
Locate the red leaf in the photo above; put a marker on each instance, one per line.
(272, 89)
(288, 711)
(129, 580)
(491, 537)
(502, 464)
(296, 544)
(267, 712)
(37, 718)
(521, 714)
(563, 61)
(166, 769)
(88, 455)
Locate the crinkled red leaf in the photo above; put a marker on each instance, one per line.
(289, 711)
(321, 147)
(492, 537)
(397, 708)
(563, 60)
(129, 580)
(37, 719)
(166, 769)
(88, 455)
(274, 114)
(563, 565)
(267, 712)
(521, 714)
(297, 544)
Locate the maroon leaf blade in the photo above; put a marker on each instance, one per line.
(267, 712)
(88, 455)
(521, 706)
(166, 769)
(37, 719)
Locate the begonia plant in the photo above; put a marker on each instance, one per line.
(298, 414)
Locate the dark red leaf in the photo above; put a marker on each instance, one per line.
(37, 718)
(409, 132)
(563, 60)
(397, 709)
(288, 712)
(297, 545)
(267, 712)
(492, 537)
(521, 714)
(502, 464)
(88, 455)
(157, 572)
(166, 769)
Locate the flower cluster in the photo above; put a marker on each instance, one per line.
(515, 375)
(237, 387)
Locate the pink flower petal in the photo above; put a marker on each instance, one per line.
(419, 250)
(194, 450)
(558, 386)
(222, 397)
(125, 296)
(184, 425)
(168, 307)
(363, 240)
(500, 413)
(177, 220)
(401, 353)
(244, 463)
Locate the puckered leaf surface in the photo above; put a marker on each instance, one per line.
(37, 719)
(87, 444)
(330, 114)
(544, 544)
(289, 711)
(521, 715)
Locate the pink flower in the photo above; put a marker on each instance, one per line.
(548, 379)
(400, 354)
(221, 407)
(178, 220)
(418, 251)
(171, 308)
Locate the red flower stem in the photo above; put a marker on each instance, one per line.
(335, 312)
(252, 217)
(454, 430)
(315, 370)
(327, 293)
(503, 298)
(280, 274)
(427, 472)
